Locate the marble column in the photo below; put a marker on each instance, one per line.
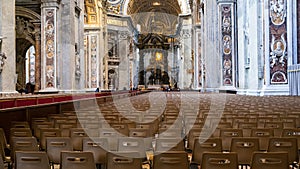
(37, 57)
(68, 60)
(187, 71)
(141, 72)
(124, 72)
(166, 62)
(8, 42)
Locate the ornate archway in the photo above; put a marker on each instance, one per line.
(28, 27)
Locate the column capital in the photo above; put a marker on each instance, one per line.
(226, 1)
(50, 3)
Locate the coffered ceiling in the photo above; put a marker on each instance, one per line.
(163, 6)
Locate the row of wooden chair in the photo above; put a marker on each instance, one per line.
(174, 160)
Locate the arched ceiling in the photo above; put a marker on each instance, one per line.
(162, 6)
(34, 5)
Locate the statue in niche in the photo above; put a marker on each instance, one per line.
(111, 79)
(49, 28)
(77, 63)
(227, 67)
(277, 11)
(226, 44)
(50, 73)
(278, 51)
(2, 58)
(226, 24)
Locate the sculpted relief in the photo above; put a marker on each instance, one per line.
(277, 11)
(278, 51)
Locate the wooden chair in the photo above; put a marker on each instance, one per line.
(31, 160)
(77, 160)
(218, 160)
(270, 160)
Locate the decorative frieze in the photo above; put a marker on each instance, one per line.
(278, 41)
(94, 67)
(227, 42)
(50, 47)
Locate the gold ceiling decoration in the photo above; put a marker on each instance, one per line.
(91, 12)
(163, 6)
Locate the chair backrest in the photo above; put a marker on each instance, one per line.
(237, 120)
(38, 125)
(292, 132)
(77, 135)
(23, 144)
(98, 146)
(168, 144)
(2, 155)
(172, 160)
(48, 132)
(139, 132)
(263, 136)
(218, 160)
(31, 160)
(151, 126)
(19, 132)
(289, 145)
(121, 128)
(244, 147)
(170, 133)
(19, 124)
(112, 136)
(270, 160)
(36, 120)
(3, 141)
(132, 144)
(124, 160)
(276, 126)
(1, 162)
(65, 128)
(142, 133)
(220, 125)
(201, 146)
(192, 135)
(77, 160)
(55, 145)
(247, 127)
(227, 134)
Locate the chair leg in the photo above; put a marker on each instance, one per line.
(9, 166)
(193, 166)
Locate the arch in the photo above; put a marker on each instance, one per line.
(25, 29)
(24, 12)
(27, 26)
(183, 5)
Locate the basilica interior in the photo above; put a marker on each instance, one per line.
(149, 84)
(64, 46)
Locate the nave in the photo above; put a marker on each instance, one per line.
(160, 130)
